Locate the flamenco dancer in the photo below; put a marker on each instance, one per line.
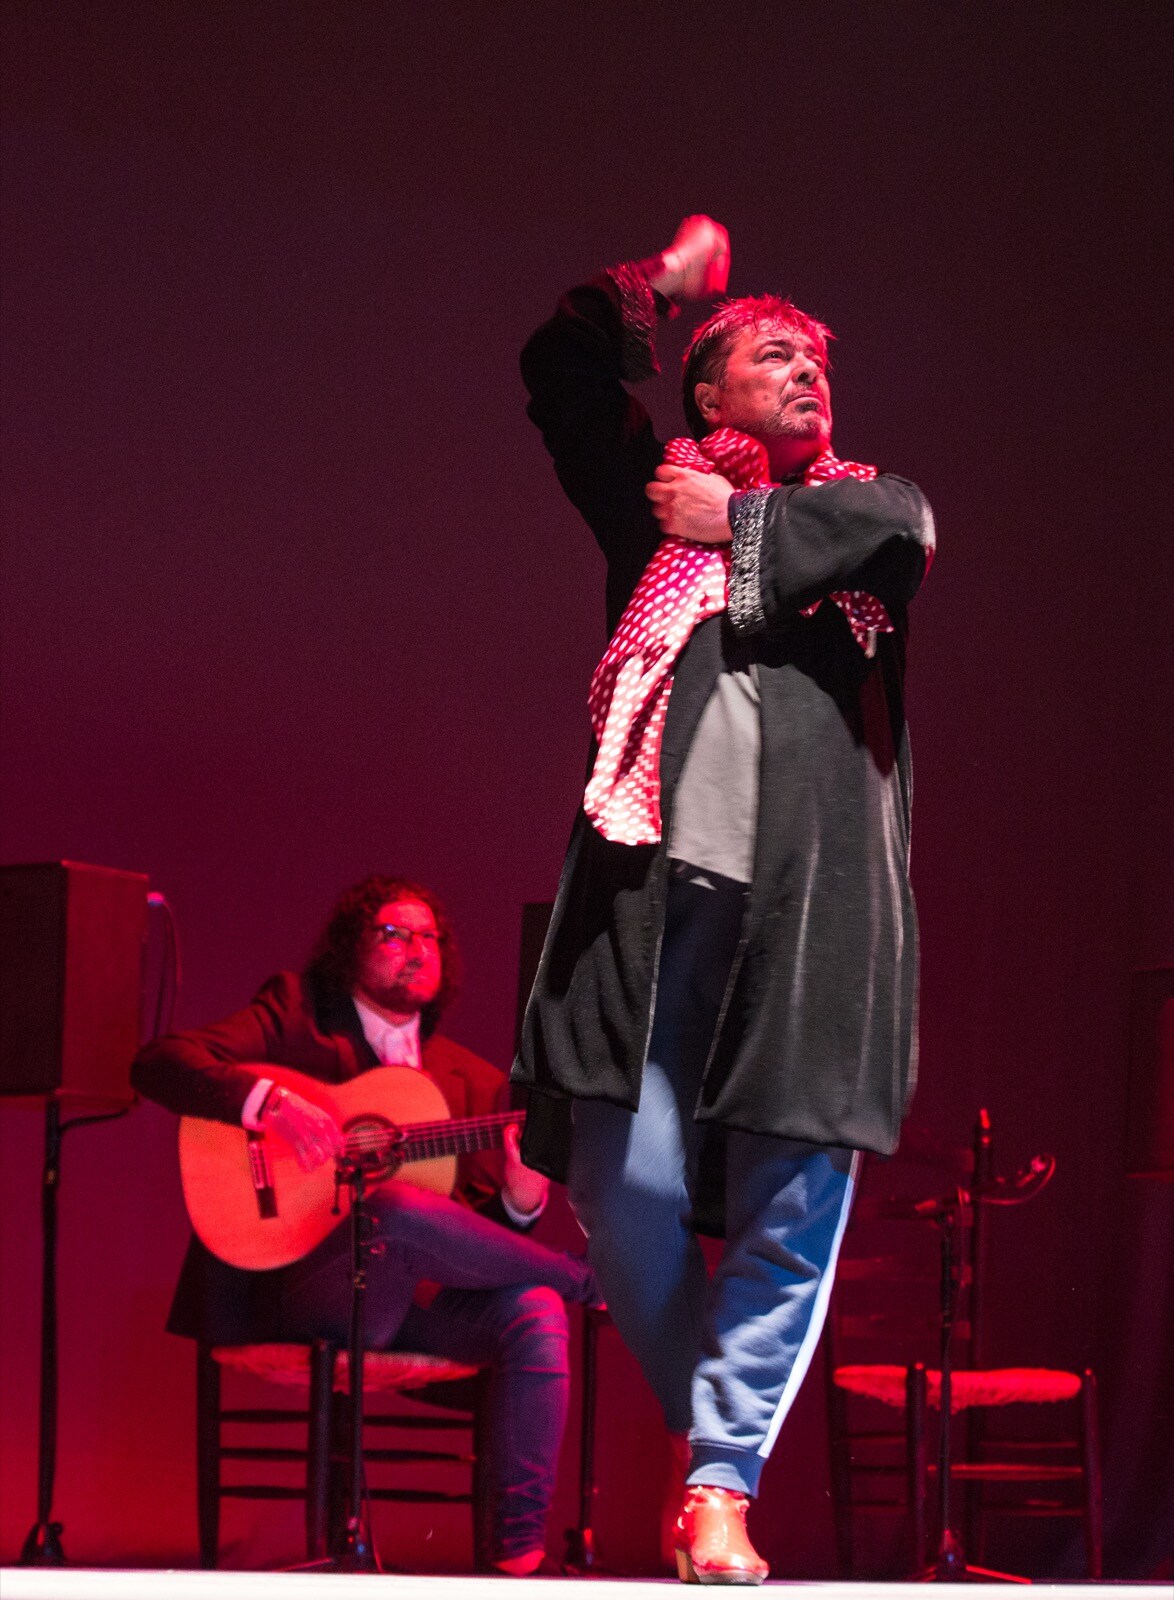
(726, 1003)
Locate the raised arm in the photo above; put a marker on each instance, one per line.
(576, 366)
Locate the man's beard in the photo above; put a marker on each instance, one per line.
(403, 997)
(787, 423)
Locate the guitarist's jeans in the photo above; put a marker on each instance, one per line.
(725, 1357)
(501, 1308)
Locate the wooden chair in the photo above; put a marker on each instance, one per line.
(319, 1370)
(882, 1353)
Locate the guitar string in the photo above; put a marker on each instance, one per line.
(432, 1138)
(415, 1130)
(455, 1142)
(469, 1122)
(496, 1119)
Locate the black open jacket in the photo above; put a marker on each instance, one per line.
(817, 1040)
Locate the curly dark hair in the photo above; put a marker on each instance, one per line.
(710, 346)
(335, 958)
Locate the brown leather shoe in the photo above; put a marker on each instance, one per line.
(711, 1541)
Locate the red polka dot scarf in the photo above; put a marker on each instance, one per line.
(681, 586)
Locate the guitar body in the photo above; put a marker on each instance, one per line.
(217, 1175)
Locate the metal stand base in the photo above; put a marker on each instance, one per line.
(358, 1556)
(951, 1566)
(43, 1547)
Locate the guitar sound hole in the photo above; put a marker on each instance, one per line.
(371, 1142)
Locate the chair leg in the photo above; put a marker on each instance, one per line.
(916, 1461)
(1091, 1443)
(338, 1489)
(479, 1508)
(973, 1492)
(840, 1467)
(318, 1430)
(208, 1456)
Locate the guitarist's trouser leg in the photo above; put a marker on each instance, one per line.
(501, 1307)
(426, 1238)
(520, 1335)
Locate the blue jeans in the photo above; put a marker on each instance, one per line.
(725, 1357)
(501, 1308)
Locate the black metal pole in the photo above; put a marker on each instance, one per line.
(581, 1539)
(950, 1563)
(950, 1559)
(43, 1546)
(355, 1553)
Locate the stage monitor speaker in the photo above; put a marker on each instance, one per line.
(71, 979)
(1149, 1149)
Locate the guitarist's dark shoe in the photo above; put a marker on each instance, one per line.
(593, 1296)
(521, 1566)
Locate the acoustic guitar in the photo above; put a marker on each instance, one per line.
(254, 1207)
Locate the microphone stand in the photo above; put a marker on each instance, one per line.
(42, 1546)
(351, 1548)
(950, 1564)
(353, 1551)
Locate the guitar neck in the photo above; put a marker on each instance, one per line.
(423, 1140)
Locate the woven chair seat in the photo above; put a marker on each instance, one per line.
(995, 1386)
(384, 1371)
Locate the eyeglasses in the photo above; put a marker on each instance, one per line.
(388, 933)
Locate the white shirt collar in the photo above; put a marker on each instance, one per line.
(397, 1044)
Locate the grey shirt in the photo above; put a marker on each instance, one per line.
(715, 812)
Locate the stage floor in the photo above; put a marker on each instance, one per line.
(25, 1583)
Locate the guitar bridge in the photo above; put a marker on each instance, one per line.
(262, 1175)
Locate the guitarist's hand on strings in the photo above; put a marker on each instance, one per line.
(526, 1189)
(311, 1133)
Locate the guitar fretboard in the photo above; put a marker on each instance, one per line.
(418, 1141)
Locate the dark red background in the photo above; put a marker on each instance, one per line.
(292, 595)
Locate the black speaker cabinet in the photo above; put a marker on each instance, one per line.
(1149, 1149)
(71, 978)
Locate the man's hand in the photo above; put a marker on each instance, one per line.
(311, 1133)
(697, 263)
(692, 505)
(526, 1189)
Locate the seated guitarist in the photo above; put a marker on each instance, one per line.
(373, 993)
